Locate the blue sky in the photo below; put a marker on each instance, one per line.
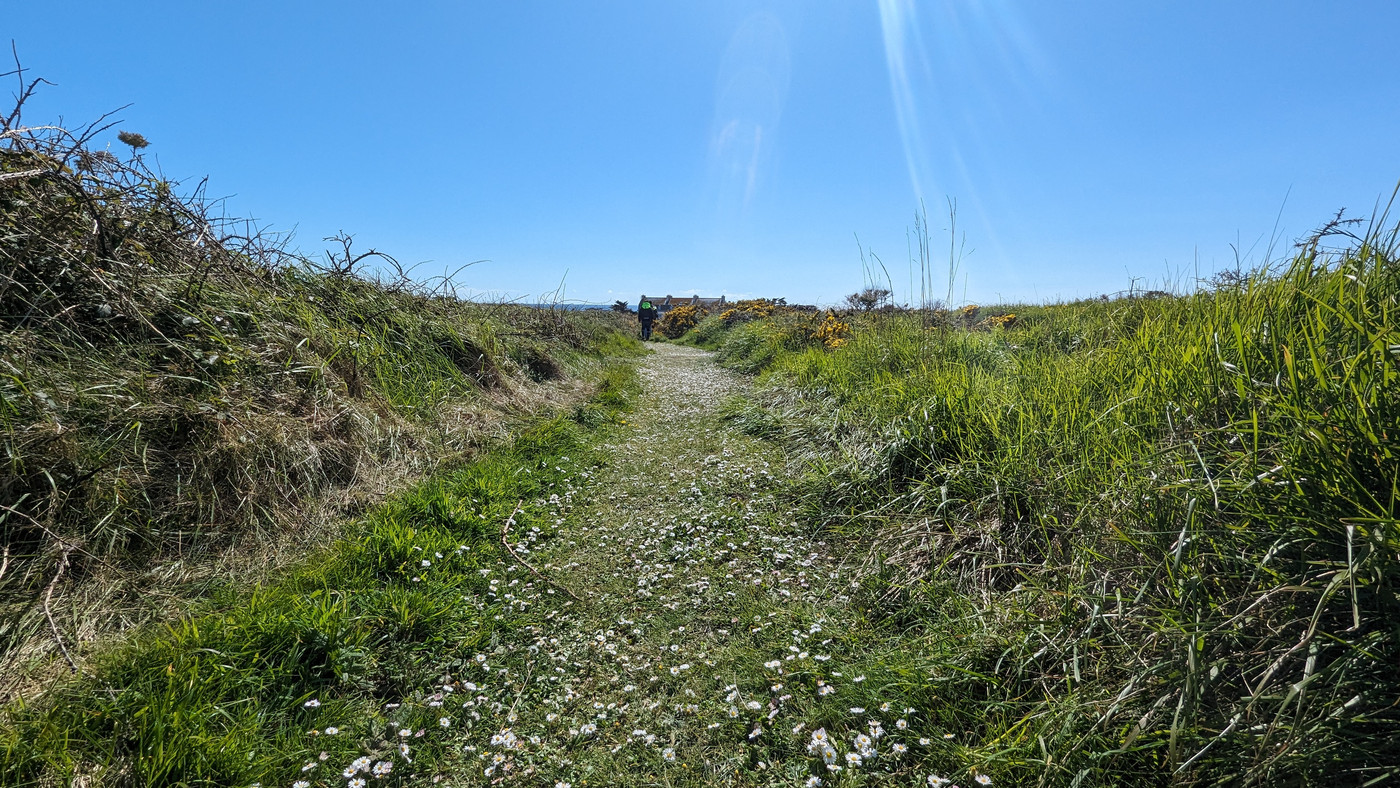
(741, 147)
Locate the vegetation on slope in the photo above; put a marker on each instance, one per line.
(1137, 541)
(184, 400)
(352, 657)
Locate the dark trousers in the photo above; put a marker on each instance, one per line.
(646, 329)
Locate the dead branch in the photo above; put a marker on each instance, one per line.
(505, 531)
(48, 613)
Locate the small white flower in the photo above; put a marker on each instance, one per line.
(444, 722)
(301, 784)
(983, 779)
(937, 782)
(331, 730)
(311, 704)
(853, 759)
(358, 782)
(669, 754)
(857, 710)
(813, 782)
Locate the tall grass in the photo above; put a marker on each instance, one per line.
(183, 397)
(360, 637)
(1146, 540)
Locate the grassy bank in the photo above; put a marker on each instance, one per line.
(1136, 541)
(355, 653)
(184, 400)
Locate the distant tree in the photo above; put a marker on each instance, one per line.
(868, 299)
(621, 306)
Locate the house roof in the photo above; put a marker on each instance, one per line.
(663, 303)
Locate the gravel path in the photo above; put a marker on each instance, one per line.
(712, 643)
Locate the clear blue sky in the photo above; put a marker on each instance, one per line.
(736, 147)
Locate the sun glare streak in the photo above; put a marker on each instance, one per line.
(901, 37)
(956, 68)
(751, 90)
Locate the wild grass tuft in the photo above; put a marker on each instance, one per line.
(1143, 540)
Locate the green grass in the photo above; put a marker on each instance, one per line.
(220, 697)
(1146, 541)
(182, 397)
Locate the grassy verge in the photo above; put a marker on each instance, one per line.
(184, 399)
(1148, 541)
(353, 654)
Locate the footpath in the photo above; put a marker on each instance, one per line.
(691, 631)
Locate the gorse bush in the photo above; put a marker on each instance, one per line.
(1175, 519)
(680, 319)
(177, 389)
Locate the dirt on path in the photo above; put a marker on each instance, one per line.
(713, 641)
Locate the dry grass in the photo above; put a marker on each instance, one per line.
(186, 402)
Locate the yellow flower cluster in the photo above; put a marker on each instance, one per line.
(751, 309)
(1000, 321)
(681, 319)
(832, 331)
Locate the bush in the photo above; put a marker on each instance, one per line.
(679, 320)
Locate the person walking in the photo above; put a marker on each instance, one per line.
(647, 314)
